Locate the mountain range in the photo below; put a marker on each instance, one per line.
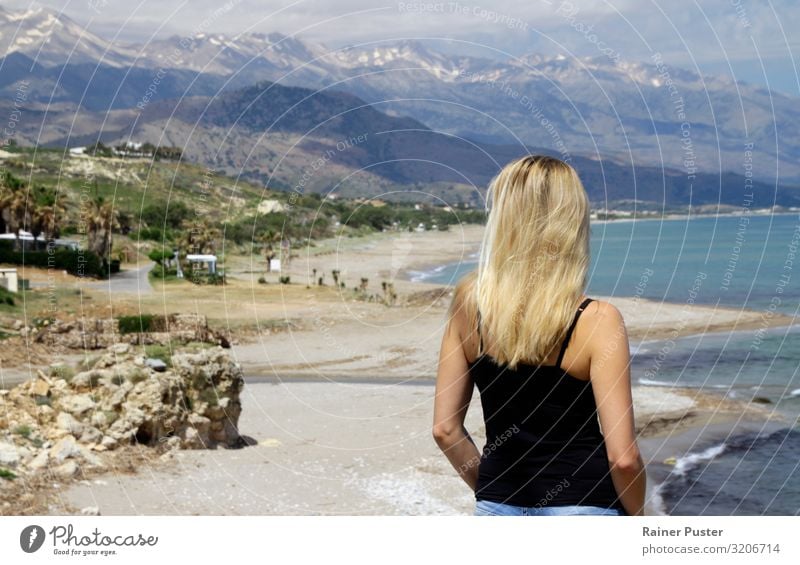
(267, 105)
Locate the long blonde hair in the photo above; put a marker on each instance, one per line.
(533, 260)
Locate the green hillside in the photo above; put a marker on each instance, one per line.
(161, 201)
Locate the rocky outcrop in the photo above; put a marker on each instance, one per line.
(99, 333)
(62, 425)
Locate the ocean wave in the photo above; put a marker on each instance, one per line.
(651, 382)
(657, 502)
(420, 276)
(751, 473)
(693, 460)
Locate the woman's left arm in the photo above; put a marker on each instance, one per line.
(453, 394)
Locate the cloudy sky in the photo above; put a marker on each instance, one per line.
(750, 40)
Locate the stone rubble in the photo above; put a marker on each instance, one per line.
(100, 333)
(64, 425)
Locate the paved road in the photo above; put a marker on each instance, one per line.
(128, 280)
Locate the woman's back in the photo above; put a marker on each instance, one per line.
(545, 396)
(543, 442)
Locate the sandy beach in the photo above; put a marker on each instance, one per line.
(338, 401)
(354, 449)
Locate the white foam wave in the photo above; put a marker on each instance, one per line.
(421, 276)
(651, 382)
(688, 462)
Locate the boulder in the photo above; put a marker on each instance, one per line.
(40, 387)
(123, 398)
(67, 469)
(9, 455)
(156, 364)
(40, 461)
(67, 422)
(77, 404)
(91, 434)
(64, 448)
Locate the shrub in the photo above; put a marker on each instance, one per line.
(135, 324)
(163, 273)
(62, 372)
(6, 297)
(157, 351)
(87, 363)
(207, 278)
(6, 474)
(138, 375)
(158, 255)
(152, 234)
(80, 262)
(161, 213)
(209, 396)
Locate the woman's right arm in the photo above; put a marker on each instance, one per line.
(611, 384)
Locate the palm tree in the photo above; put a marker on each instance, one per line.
(101, 219)
(47, 214)
(268, 238)
(13, 204)
(198, 237)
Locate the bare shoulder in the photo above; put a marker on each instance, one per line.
(462, 306)
(602, 312)
(604, 322)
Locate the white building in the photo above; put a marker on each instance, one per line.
(9, 280)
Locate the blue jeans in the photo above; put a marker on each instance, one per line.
(489, 508)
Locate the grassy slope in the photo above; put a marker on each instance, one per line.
(134, 182)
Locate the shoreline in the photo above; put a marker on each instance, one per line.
(310, 390)
(680, 448)
(308, 455)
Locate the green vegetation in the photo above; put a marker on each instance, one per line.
(87, 363)
(24, 431)
(163, 268)
(137, 376)
(7, 474)
(75, 262)
(209, 396)
(99, 149)
(156, 200)
(170, 204)
(110, 416)
(157, 351)
(160, 256)
(136, 324)
(62, 372)
(159, 272)
(6, 297)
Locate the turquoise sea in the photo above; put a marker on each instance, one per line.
(749, 261)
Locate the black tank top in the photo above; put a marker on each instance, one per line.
(543, 446)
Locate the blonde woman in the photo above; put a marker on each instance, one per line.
(552, 366)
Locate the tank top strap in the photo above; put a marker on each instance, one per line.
(571, 328)
(480, 335)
